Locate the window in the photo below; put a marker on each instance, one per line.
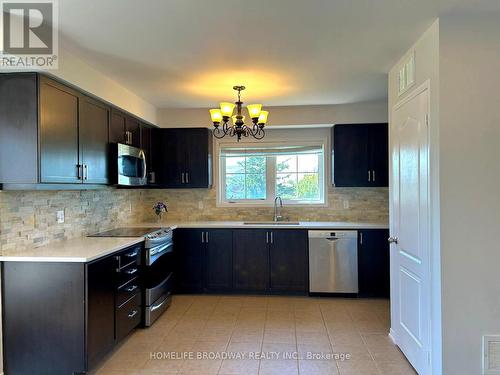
(255, 175)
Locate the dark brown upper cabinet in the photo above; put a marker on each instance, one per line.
(183, 157)
(146, 146)
(53, 135)
(93, 131)
(124, 129)
(360, 155)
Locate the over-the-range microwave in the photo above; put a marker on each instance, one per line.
(129, 165)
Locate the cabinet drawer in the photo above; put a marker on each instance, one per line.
(128, 317)
(132, 254)
(127, 290)
(128, 273)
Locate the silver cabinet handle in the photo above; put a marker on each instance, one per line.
(206, 236)
(131, 271)
(272, 241)
(132, 314)
(373, 175)
(182, 178)
(131, 288)
(267, 237)
(361, 238)
(187, 178)
(369, 176)
(394, 240)
(131, 139)
(202, 237)
(131, 255)
(79, 171)
(85, 172)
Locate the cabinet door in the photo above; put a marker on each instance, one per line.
(100, 309)
(58, 133)
(289, 261)
(197, 148)
(169, 150)
(379, 154)
(251, 260)
(373, 263)
(93, 131)
(350, 155)
(133, 126)
(219, 259)
(117, 127)
(146, 135)
(189, 260)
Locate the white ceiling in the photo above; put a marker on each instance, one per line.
(189, 53)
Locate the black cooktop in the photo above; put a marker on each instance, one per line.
(125, 232)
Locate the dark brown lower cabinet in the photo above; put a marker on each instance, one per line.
(59, 318)
(373, 263)
(242, 260)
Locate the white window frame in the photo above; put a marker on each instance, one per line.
(270, 176)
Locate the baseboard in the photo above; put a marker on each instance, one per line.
(392, 336)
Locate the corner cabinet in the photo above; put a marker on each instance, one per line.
(360, 155)
(183, 157)
(242, 260)
(65, 317)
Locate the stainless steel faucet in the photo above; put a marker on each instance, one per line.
(277, 211)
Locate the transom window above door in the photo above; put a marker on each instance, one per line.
(256, 175)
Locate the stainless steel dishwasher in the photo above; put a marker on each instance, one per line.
(333, 261)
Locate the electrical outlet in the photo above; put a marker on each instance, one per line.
(60, 216)
(346, 204)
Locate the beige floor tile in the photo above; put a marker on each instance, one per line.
(247, 335)
(352, 367)
(201, 366)
(314, 350)
(312, 337)
(396, 368)
(285, 336)
(126, 361)
(239, 367)
(377, 340)
(280, 324)
(387, 354)
(346, 339)
(288, 367)
(317, 367)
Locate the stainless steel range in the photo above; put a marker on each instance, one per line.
(156, 268)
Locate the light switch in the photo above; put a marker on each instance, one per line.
(60, 216)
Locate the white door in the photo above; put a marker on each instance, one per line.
(410, 268)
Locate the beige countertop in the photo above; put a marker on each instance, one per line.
(87, 249)
(80, 250)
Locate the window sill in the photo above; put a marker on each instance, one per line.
(271, 204)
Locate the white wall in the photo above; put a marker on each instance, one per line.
(77, 72)
(426, 51)
(470, 183)
(285, 116)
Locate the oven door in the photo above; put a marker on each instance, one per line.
(155, 253)
(131, 166)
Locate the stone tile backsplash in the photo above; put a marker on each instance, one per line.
(28, 218)
(365, 204)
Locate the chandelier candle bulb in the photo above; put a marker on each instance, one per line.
(216, 116)
(254, 110)
(227, 109)
(263, 117)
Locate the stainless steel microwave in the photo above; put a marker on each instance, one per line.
(131, 165)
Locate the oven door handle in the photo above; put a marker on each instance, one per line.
(156, 307)
(156, 252)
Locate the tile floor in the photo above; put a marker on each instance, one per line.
(265, 335)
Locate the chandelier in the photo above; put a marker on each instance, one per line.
(238, 127)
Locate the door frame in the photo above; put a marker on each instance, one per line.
(434, 306)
